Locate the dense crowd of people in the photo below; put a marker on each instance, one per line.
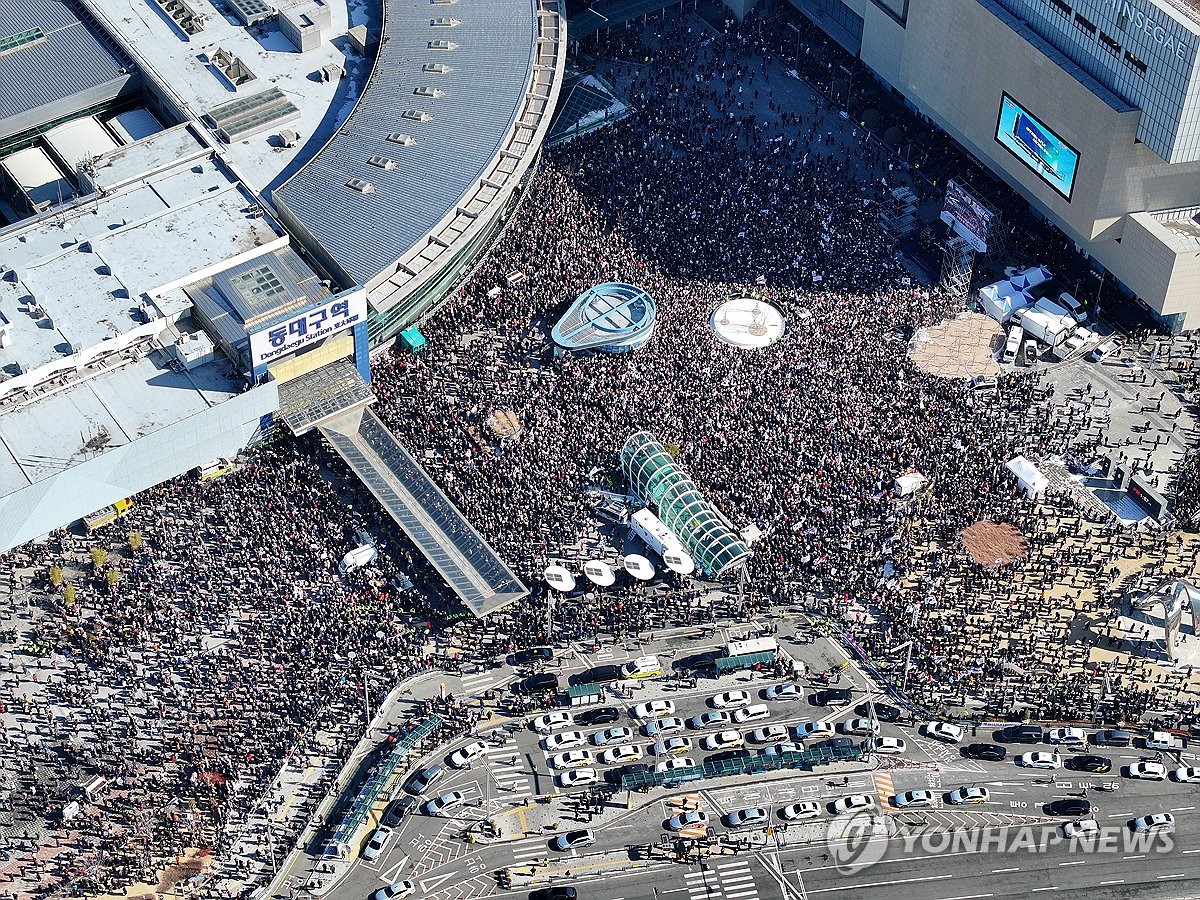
(222, 644)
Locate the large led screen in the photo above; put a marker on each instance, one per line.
(1026, 138)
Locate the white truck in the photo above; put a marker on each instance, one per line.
(1048, 327)
(658, 537)
(360, 556)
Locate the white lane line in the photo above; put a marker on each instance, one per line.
(1114, 881)
(1180, 875)
(1189, 851)
(1075, 862)
(1013, 869)
(1039, 890)
(970, 896)
(1181, 808)
(1138, 856)
(869, 884)
(753, 892)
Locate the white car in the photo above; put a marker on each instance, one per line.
(687, 819)
(446, 801)
(573, 839)
(1039, 760)
(975, 794)
(710, 719)
(615, 735)
(781, 748)
(652, 708)
(797, 812)
(1066, 736)
(578, 777)
(564, 740)
(552, 721)
(464, 756)
(768, 734)
(730, 698)
(944, 732)
(674, 765)
(754, 817)
(572, 759)
(853, 803)
(889, 746)
(378, 841)
(1157, 823)
(806, 730)
(756, 712)
(1149, 771)
(1187, 774)
(723, 740)
(913, 799)
(622, 753)
(1083, 829)
(394, 891)
(672, 746)
(782, 692)
(860, 726)
(1160, 740)
(665, 725)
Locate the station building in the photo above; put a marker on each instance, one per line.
(1089, 109)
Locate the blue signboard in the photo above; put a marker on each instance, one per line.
(1043, 151)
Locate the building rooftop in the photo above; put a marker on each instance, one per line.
(188, 67)
(113, 408)
(49, 53)
(77, 276)
(449, 84)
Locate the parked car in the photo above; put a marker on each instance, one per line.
(989, 752)
(554, 892)
(710, 719)
(665, 725)
(672, 746)
(441, 803)
(552, 721)
(1083, 829)
(755, 712)
(1148, 771)
(723, 740)
(687, 819)
(574, 839)
(596, 675)
(727, 699)
(1095, 764)
(782, 692)
(1022, 734)
(853, 803)
(622, 753)
(1113, 737)
(464, 756)
(564, 740)
(618, 734)
(866, 727)
(1187, 774)
(1066, 736)
(675, 765)
(889, 746)
(796, 812)
(768, 734)
(616, 775)
(378, 841)
(652, 708)
(1070, 806)
(397, 810)
(421, 781)
(1156, 823)
(808, 730)
(532, 655)
(600, 715)
(780, 748)
(832, 697)
(1039, 760)
(883, 711)
(394, 891)
(541, 683)
(571, 759)
(581, 777)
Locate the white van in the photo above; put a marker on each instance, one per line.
(1013, 346)
(753, 713)
(642, 667)
(1076, 309)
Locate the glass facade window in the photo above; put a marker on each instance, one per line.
(653, 475)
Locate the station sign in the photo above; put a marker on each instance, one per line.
(336, 314)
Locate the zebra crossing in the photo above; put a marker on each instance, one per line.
(476, 682)
(529, 852)
(508, 768)
(728, 881)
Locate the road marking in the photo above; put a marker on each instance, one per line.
(1181, 808)
(869, 884)
(428, 884)
(1189, 851)
(1180, 875)
(1038, 890)
(970, 896)
(1076, 862)
(1013, 869)
(1139, 856)
(1114, 881)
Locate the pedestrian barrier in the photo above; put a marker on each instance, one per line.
(742, 766)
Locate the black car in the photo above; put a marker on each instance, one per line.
(556, 892)
(614, 775)
(883, 712)
(738, 753)
(1070, 806)
(1021, 734)
(1113, 737)
(1096, 764)
(420, 781)
(835, 743)
(830, 696)
(697, 662)
(533, 654)
(989, 752)
(536, 684)
(604, 715)
(397, 810)
(596, 675)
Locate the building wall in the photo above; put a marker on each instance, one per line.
(56, 502)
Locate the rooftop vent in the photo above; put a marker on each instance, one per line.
(361, 185)
(443, 45)
(435, 69)
(382, 162)
(417, 115)
(404, 140)
(431, 92)
(444, 22)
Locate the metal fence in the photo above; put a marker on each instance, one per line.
(745, 765)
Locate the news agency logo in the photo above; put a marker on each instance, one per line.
(857, 842)
(860, 841)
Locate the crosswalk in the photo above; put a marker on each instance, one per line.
(728, 881)
(886, 788)
(479, 681)
(529, 851)
(508, 767)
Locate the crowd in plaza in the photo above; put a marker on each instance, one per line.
(228, 645)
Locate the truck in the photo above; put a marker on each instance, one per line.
(754, 645)
(1047, 327)
(110, 513)
(1013, 345)
(657, 536)
(360, 556)
(214, 468)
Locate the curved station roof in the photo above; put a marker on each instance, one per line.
(654, 475)
(613, 317)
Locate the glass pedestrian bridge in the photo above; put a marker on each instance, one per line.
(459, 553)
(653, 475)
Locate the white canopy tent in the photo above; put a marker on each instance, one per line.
(1029, 479)
(910, 483)
(1002, 299)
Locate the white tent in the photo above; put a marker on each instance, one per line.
(1002, 299)
(1031, 277)
(1029, 479)
(910, 483)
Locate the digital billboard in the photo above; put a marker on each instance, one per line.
(1025, 137)
(969, 218)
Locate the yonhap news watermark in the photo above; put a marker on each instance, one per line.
(860, 841)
